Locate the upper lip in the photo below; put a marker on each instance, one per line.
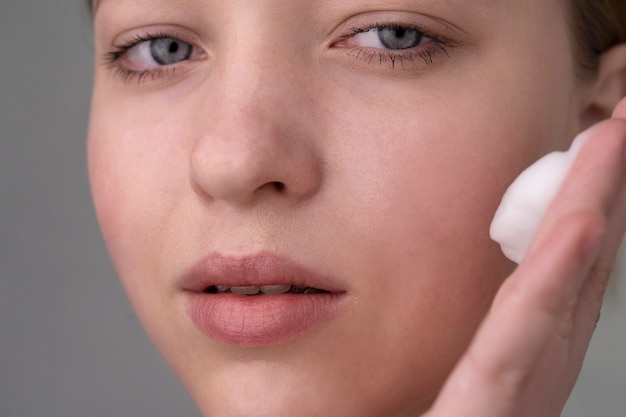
(253, 270)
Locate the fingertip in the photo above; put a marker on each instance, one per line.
(620, 110)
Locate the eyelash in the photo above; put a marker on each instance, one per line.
(113, 58)
(406, 56)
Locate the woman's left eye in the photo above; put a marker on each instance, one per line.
(158, 52)
(388, 37)
(397, 45)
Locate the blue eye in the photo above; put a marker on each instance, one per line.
(169, 51)
(152, 57)
(389, 37)
(151, 53)
(394, 44)
(399, 37)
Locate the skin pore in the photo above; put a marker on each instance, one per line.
(285, 127)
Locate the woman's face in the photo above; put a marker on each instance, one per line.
(359, 147)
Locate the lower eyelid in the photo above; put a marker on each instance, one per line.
(129, 75)
(410, 60)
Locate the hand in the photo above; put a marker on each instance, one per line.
(527, 354)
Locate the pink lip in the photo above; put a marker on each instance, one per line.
(263, 319)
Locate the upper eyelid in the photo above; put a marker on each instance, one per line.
(356, 30)
(437, 39)
(121, 47)
(425, 33)
(138, 39)
(441, 42)
(135, 36)
(431, 26)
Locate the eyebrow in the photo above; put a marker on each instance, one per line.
(95, 4)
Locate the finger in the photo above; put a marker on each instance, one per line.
(588, 195)
(592, 293)
(620, 110)
(542, 295)
(592, 183)
(590, 298)
(491, 378)
(593, 189)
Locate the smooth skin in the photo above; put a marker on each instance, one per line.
(389, 172)
(527, 354)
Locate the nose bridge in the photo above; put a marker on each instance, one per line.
(249, 98)
(256, 83)
(256, 138)
(260, 79)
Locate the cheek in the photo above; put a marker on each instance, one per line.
(414, 176)
(423, 187)
(134, 166)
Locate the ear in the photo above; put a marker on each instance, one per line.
(607, 89)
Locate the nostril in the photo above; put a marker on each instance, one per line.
(279, 186)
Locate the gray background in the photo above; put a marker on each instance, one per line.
(70, 345)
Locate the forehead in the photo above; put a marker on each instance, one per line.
(483, 18)
(96, 3)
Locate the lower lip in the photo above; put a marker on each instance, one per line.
(260, 320)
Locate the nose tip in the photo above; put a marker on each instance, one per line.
(232, 176)
(243, 169)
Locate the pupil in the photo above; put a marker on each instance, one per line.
(167, 51)
(399, 38)
(400, 32)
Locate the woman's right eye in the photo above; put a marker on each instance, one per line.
(157, 52)
(151, 57)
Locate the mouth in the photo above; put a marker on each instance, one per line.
(252, 290)
(258, 300)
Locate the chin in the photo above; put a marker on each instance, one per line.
(264, 386)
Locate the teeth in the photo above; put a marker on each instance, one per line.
(245, 290)
(275, 289)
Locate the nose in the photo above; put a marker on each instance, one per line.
(259, 141)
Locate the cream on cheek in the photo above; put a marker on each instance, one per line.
(527, 199)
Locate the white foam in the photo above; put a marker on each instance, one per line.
(527, 199)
